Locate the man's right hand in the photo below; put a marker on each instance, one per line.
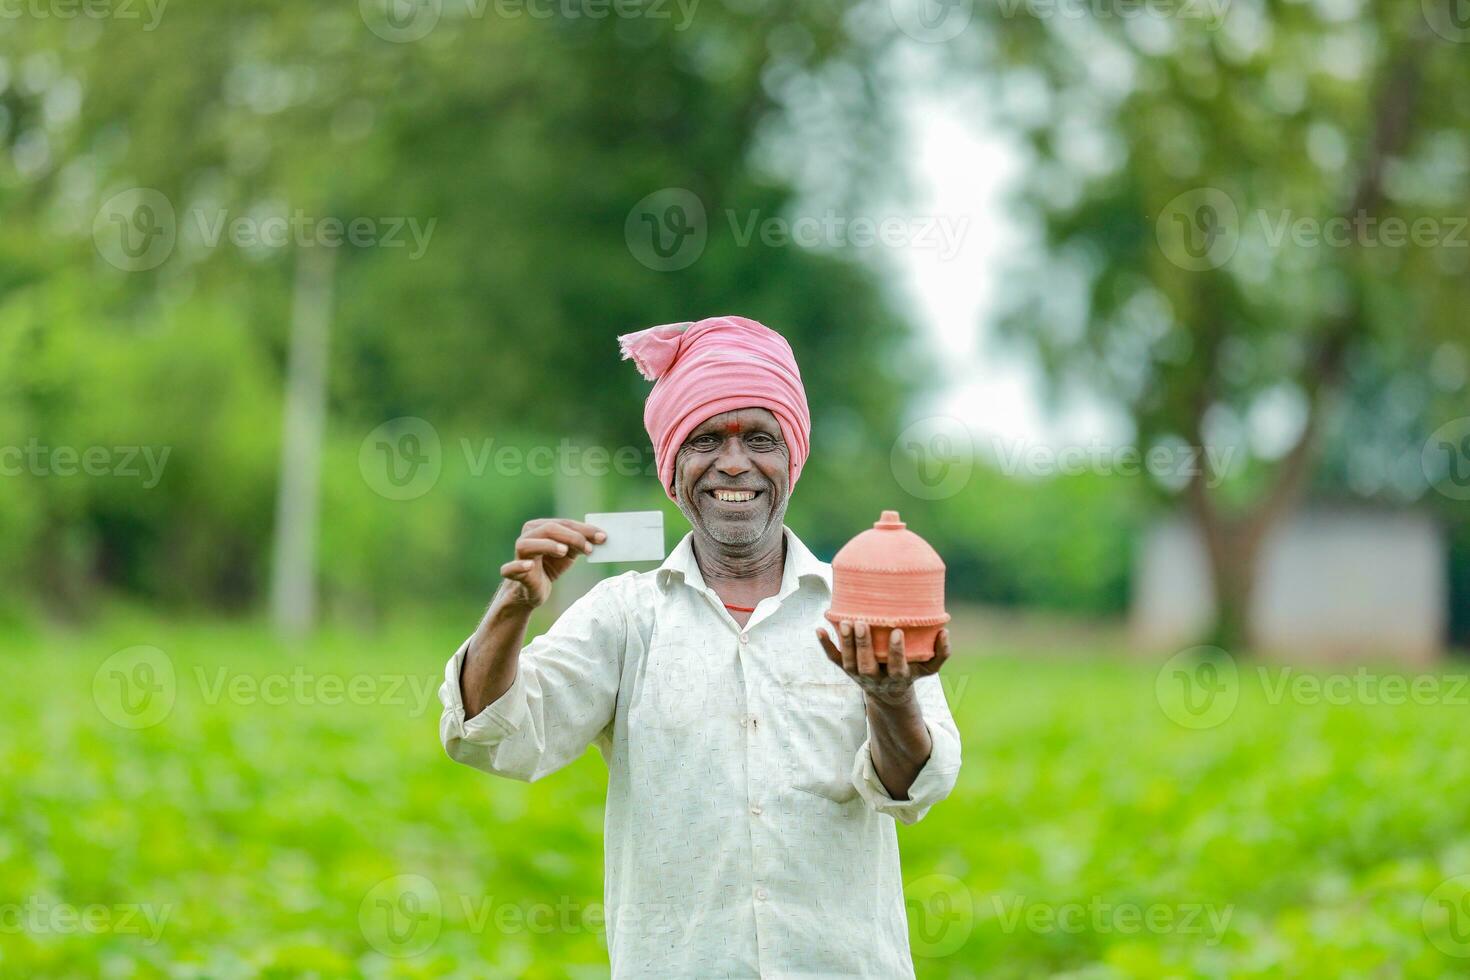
(544, 551)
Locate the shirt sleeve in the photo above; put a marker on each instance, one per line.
(563, 697)
(940, 771)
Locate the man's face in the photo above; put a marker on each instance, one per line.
(732, 477)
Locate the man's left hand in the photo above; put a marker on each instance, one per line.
(890, 682)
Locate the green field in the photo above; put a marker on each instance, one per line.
(290, 813)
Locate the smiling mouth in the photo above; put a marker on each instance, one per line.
(734, 496)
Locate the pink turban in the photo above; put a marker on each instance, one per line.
(716, 365)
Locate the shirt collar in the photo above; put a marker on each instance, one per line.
(800, 564)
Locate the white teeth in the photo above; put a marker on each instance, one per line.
(734, 496)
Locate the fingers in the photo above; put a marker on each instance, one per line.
(849, 652)
(520, 577)
(532, 547)
(591, 531)
(867, 660)
(567, 535)
(941, 654)
(828, 647)
(539, 526)
(941, 649)
(898, 662)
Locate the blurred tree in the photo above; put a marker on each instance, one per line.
(1236, 213)
(494, 162)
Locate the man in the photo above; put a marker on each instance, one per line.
(753, 786)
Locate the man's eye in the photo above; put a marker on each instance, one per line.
(704, 442)
(762, 440)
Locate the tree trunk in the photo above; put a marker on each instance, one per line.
(1233, 542)
(298, 494)
(1233, 553)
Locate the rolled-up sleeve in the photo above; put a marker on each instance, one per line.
(563, 697)
(940, 771)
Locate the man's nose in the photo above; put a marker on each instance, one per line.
(733, 459)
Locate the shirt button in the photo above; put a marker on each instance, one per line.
(755, 808)
(760, 894)
(744, 638)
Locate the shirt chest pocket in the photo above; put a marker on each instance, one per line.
(822, 725)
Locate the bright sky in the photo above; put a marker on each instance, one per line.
(961, 170)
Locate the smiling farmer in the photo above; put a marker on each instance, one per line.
(753, 783)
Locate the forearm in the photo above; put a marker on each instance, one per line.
(899, 744)
(494, 651)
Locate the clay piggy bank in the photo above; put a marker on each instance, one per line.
(890, 577)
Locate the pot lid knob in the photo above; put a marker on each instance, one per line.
(889, 521)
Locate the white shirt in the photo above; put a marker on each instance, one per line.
(747, 833)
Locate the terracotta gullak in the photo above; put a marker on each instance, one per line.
(890, 577)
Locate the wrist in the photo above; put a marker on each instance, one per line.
(511, 600)
(900, 703)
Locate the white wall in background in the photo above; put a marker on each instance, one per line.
(1333, 584)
